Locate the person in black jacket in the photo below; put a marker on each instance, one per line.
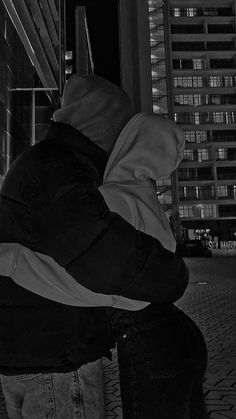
(51, 204)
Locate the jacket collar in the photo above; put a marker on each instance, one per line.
(70, 137)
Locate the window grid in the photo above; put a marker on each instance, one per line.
(198, 211)
(198, 81)
(199, 64)
(221, 154)
(198, 118)
(195, 136)
(226, 191)
(190, 155)
(192, 193)
(222, 191)
(188, 81)
(201, 11)
(204, 154)
(190, 100)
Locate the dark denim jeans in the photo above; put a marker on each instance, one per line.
(162, 357)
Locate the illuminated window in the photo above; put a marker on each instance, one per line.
(222, 191)
(221, 154)
(191, 100)
(69, 69)
(197, 82)
(186, 211)
(218, 117)
(203, 154)
(188, 81)
(206, 192)
(189, 155)
(198, 211)
(228, 81)
(189, 136)
(201, 136)
(196, 118)
(176, 12)
(208, 210)
(215, 99)
(195, 136)
(215, 81)
(69, 55)
(199, 64)
(191, 11)
(230, 117)
(184, 118)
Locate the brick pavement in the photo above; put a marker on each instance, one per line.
(210, 300)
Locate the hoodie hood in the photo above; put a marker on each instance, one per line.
(149, 147)
(97, 108)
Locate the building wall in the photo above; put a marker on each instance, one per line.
(203, 79)
(24, 114)
(15, 71)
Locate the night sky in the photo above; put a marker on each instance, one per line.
(102, 17)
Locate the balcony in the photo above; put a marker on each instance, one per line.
(221, 28)
(184, 29)
(192, 12)
(193, 174)
(202, 46)
(223, 136)
(226, 154)
(201, 197)
(226, 173)
(198, 118)
(226, 192)
(226, 63)
(198, 211)
(227, 211)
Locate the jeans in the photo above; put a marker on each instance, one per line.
(162, 357)
(78, 394)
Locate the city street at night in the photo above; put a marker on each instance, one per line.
(117, 130)
(210, 301)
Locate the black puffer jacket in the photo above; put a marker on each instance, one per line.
(50, 203)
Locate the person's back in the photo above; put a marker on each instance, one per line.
(50, 203)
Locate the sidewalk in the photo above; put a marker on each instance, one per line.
(210, 300)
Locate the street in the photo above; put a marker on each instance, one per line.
(210, 300)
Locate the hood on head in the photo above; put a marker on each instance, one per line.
(96, 107)
(149, 146)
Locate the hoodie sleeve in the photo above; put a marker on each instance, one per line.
(124, 261)
(101, 250)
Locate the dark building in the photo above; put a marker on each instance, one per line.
(32, 73)
(15, 70)
(43, 42)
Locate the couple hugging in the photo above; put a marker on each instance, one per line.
(87, 261)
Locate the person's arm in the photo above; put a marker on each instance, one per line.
(101, 250)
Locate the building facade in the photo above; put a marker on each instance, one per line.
(43, 42)
(32, 73)
(199, 39)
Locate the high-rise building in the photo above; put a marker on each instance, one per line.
(193, 57)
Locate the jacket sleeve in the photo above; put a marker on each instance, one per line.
(102, 251)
